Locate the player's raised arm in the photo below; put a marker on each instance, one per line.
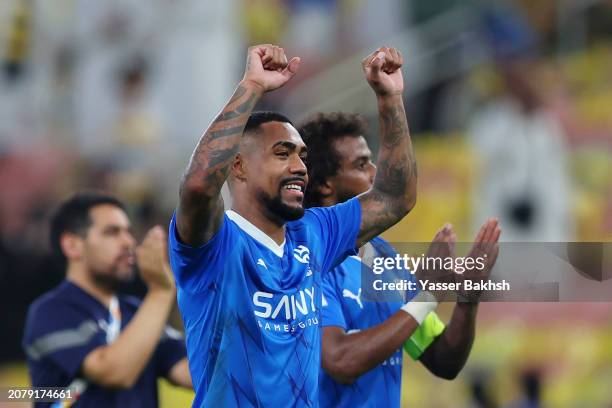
(394, 192)
(200, 209)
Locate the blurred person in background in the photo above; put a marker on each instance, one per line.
(362, 340)
(108, 348)
(531, 389)
(481, 391)
(249, 278)
(522, 146)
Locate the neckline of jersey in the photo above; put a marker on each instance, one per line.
(257, 234)
(73, 286)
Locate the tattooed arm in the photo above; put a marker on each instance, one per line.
(200, 210)
(394, 192)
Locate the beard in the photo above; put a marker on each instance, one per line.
(108, 282)
(112, 280)
(279, 209)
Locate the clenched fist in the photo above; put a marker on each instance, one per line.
(268, 68)
(382, 70)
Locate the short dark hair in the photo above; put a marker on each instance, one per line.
(73, 215)
(259, 118)
(319, 134)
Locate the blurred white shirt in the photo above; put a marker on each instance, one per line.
(524, 176)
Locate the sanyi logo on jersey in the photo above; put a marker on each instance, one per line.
(286, 313)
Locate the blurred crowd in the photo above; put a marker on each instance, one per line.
(114, 94)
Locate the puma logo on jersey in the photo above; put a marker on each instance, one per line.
(302, 254)
(357, 298)
(262, 263)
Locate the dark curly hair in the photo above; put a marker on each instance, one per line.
(319, 134)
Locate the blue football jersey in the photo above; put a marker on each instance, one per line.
(343, 306)
(251, 307)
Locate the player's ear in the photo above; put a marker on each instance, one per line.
(72, 245)
(326, 189)
(238, 167)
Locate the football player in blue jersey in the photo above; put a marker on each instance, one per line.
(108, 348)
(362, 341)
(249, 279)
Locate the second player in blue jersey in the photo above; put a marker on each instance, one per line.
(363, 338)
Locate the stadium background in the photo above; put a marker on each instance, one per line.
(114, 94)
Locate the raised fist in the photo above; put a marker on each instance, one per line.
(382, 70)
(268, 68)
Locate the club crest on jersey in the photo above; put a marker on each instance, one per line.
(302, 254)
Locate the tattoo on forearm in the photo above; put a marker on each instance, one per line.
(393, 126)
(216, 149)
(395, 181)
(240, 110)
(396, 164)
(237, 95)
(225, 132)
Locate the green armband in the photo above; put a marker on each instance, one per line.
(424, 335)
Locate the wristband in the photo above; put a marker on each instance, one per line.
(420, 306)
(424, 335)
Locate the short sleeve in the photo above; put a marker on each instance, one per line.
(331, 310)
(171, 350)
(58, 337)
(336, 228)
(384, 249)
(195, 268)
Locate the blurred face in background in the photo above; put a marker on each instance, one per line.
(107, 251)
(521, 77)
(274, 170)
(356, 173)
